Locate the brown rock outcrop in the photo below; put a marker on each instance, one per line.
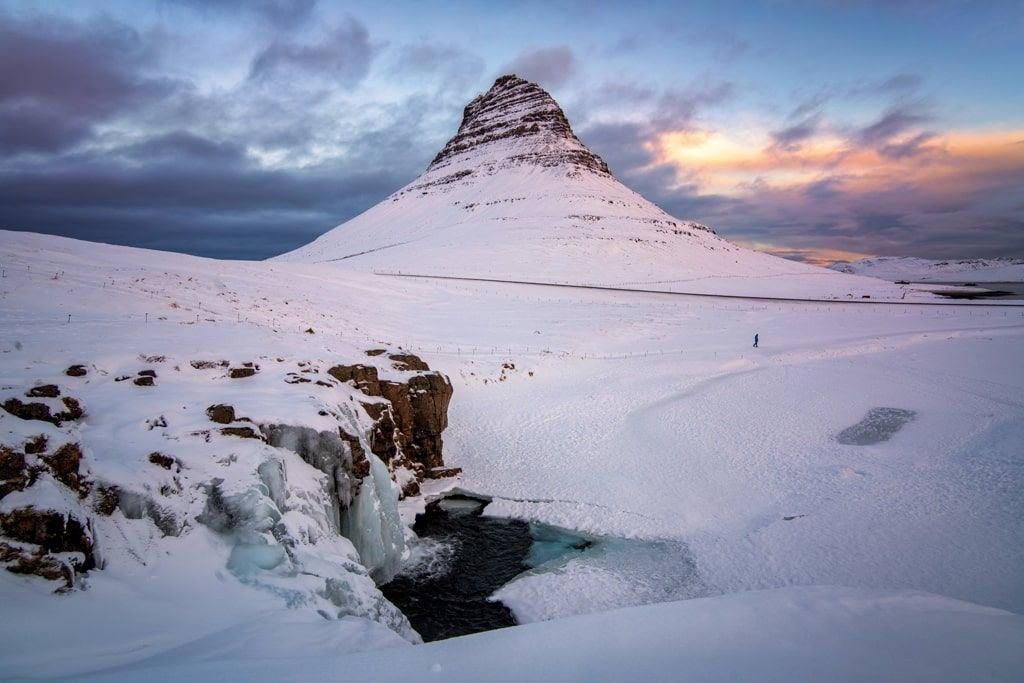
(363, 377)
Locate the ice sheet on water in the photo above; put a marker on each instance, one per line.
(552, 543)
(609, 574)
(456, 505)
(880, 424)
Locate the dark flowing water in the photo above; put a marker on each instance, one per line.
(485, 554)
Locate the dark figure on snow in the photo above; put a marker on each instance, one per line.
(755, 340)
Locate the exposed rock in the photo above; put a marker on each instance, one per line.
(44, 391)
(421, 413)
(14, 474)
(105, 500)
(360, 465)
(64, 463)
(239, 373)
(364, 377)
(164, 460)
(29, 411)
(147, 373)
(52, 531)
(515, 109)
(41, 411)
(208, 364)
(73, 409)
(376, 352)
(143, 381)
(418, 414)
(408, 362)
(382, 436)
(221, 413)
(21, 561)
(444, 472)
(243, 432)
(76, 371)
(37, 444)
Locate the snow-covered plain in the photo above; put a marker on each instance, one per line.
(640, 418)
(933, 270)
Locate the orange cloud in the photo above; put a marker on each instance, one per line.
(817, 257)
(735, 162)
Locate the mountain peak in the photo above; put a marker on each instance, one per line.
(516, 122)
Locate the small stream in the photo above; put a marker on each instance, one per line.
(462, 559)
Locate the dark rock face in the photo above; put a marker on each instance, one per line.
(421, 414)
(41, 411)
(44, 391)
(14, 474)
(64, 464)
(417, 415)
(163, 460)
(76, 371)
(47, 532)
(408, 362)
(363, 377)
(243, 432)
(221, 414)
(239, 373)
(516, 110)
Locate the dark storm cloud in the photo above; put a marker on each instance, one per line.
(177, 167)
(342, 55)
(550, 67)
(58, 79)
(31, 127)
(199, 197)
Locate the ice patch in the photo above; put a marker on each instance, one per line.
(456, 505)
(552, 543)
(880, 424)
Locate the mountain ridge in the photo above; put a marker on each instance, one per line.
(515, 194)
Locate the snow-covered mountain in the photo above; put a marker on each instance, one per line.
(924, 270)
(516, 195)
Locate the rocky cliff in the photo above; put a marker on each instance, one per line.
(287, 462)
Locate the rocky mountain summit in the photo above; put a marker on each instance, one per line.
(515, 195)
(515, 122)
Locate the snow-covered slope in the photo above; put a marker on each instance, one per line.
(914, 269)
(515, 195)
(643, 419)
(794, 634)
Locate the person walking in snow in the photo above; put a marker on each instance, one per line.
(755, 340)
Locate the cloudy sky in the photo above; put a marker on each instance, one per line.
(243, 128)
